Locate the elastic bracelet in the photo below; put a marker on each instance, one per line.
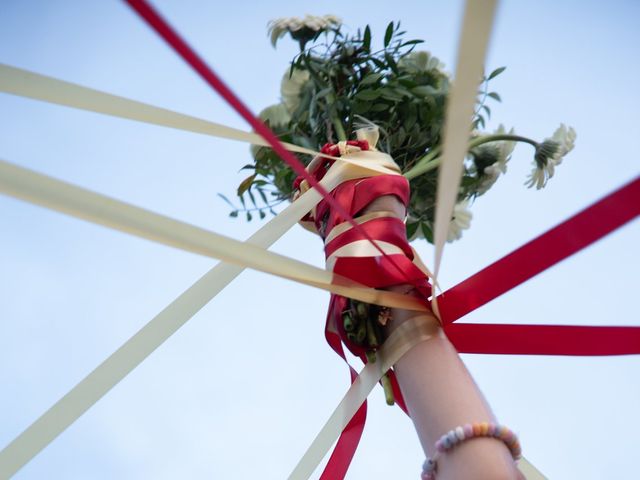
(465, 432)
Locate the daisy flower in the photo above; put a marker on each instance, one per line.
(461, 220)
(549, 154)
(291, 86)
(301, 29)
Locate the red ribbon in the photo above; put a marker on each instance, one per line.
(514, 269)
(208, 75)
(562, 241)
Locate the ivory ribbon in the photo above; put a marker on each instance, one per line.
(476, 28)
(529, 471)
(40, 189)
(24, 83)
(403, 339)
(57, 195)
(105, 376)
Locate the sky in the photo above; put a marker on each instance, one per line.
(242, 389)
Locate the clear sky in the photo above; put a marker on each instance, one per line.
(242, 389)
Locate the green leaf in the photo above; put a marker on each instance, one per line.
(262, 214)
(424, 90)
(249, 217)
(426, 231)
(366, 41)
(379, 107)
(412, 42)
(372, 78)
(253, 199)
(234, 214)
(495, 96)
(245, 184)
(388, 34)
(488, 110)
(367, 94)
(412, 228)
(226, 200)
(392, 63)
(496, 72)
(361, 107)
(263, 196)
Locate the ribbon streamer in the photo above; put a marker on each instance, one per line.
(503, 339)
(476, 28)
(88, 391)
(231, 133)
(64, 197)
(558, 243)
(189, 55)
(403, 339)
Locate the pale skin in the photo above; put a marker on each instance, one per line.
(440, 395)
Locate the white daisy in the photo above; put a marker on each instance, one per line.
(291, 86)
(277, 115)
(460, 221)
(492, 172)
(420, 61)
(550, 153)
(280, 27)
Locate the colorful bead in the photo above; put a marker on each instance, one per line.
(465, 432)
(429, 466)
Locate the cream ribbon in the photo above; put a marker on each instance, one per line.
(39, 189)
(476, 28)
(85, 204)
(478, 18)
(404, 338)
(24, 83)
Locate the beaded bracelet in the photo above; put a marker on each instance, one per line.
(466, 432)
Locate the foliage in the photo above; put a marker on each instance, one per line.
(338, 83)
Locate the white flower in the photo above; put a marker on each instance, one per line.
(291, 86)
(420, 61)
(492, 172)
(461, 220)
(549, 154)
(566, 138)
(506, 148)
(277, 115)
(280, 27)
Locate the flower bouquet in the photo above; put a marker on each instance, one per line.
(341, 95)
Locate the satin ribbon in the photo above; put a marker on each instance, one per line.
(37, 188)
(27, 84)
(57, 195)
(476, 29)
(403, 339)
(189, 55)
(0, 76)
(572, 235)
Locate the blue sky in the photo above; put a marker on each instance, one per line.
(243, 388)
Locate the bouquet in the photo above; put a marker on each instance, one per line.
(339, 83)
(337, 87)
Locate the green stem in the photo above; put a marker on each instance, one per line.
(501, 137)
(339, 129)
(430, 161)
(433, 159)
